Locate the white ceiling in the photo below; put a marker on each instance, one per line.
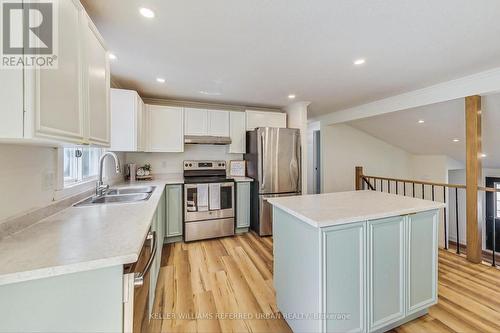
(257, 52)
(443, 123)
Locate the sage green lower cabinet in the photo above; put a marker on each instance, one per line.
(422, 237)
(173, 199)
(344, 277)
(386, 267)
(90, 301)
(367, 276)
(158, 226)
(242, 206)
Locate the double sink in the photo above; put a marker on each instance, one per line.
(120, 195)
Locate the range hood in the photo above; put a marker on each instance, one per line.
(207, 140)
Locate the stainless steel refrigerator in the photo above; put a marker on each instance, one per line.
(273, 161)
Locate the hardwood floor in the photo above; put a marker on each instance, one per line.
(225, 285)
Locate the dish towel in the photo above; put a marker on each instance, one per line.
(202, 190)
(214, 195)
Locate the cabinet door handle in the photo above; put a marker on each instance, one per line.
(139, 276)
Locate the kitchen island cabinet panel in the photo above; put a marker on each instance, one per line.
(345, 277)
(386, 242)
(422, 261)
(296, 243)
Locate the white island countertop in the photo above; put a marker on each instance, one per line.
(329, 209)
(81, 238)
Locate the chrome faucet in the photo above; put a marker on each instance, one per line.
(100, 188)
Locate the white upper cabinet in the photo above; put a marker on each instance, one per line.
(201, 122)
(127, 132)
(265, 119)
(166, 128)
(196, 121)
(11, 97)
(218, 123)
(237, 125)
(97, 79)
(54, 96)
(67, 104)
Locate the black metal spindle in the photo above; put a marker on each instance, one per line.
(389, 185)
(493, 263)
(374, 184)
(423, 191)
(397, 189)
(381, 185)
(445, 218)
(432, 189)
(404, 189)
(456, 220)
(413, 192)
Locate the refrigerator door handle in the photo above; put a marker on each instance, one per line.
(294, 175)
(263, 183)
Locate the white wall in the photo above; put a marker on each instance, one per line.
(344, 147)
(311, 128)
(297, 118)
(28, 180)
(172, 162)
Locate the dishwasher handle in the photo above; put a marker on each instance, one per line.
(139, 277)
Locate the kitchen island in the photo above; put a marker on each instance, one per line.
(361, 261)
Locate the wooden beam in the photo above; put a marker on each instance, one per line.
(473, 176)
(358, 181)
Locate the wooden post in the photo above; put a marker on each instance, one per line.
(359, 178)
(473, 176)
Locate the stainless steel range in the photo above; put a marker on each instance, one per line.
(208, 200)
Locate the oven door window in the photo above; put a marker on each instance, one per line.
(226, 197)
(191, 199)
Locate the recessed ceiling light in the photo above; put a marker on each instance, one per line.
(421, 121)
(161, 80)
(483, 155)
(456, 140)
(358, 62)
(111, 56)
(291, 96)
(146, 12)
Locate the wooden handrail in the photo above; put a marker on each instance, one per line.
(360, 175)
(488, 189)
(401, 180)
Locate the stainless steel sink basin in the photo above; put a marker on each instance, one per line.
(107, 199)
(131, 190)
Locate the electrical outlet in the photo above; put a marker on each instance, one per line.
(47, 180)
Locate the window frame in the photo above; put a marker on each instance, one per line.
(77, 167)
(497, 201)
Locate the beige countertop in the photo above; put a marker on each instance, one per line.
(81, 238)
(329, 209)
(241, 179)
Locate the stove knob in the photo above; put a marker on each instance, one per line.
(186, 165)
(190, 164)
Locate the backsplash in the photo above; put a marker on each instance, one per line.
(172, 162)
(28, 179)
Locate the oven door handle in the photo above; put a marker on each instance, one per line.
(139, 276)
